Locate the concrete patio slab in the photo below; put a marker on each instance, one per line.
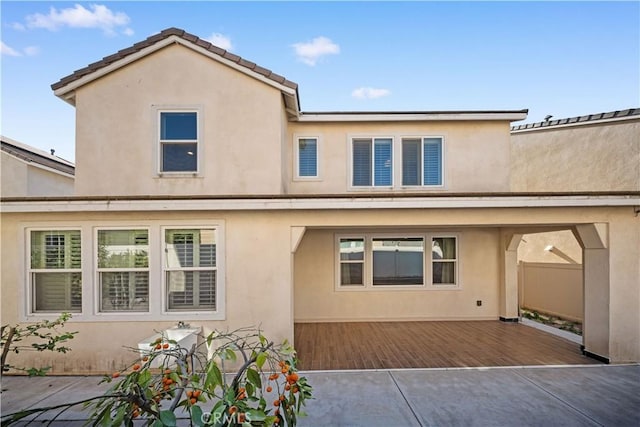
(590, 395)
(364, 398)
(483, 398)
(609, 396)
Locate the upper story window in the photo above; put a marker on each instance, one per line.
(55, 271)
(422, 161)
(372, 162)
(179, 141)
(306, 154)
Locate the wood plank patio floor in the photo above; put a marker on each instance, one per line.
(433, 344)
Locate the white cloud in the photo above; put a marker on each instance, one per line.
(97, 16)
(18, 26)
(370, 93)
(127, 32)
(7, 50)
(31, 50)
(312, 51)
(220, 40)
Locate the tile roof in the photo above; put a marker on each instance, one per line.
(107, 60)
(619, 114)
(33, 155)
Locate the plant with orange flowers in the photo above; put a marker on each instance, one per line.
(246, 381)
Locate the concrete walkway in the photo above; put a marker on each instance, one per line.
(594, 395)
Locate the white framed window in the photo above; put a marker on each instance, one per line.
(422, 161)
(372, 162)
(444, 259)
(351, 261)
(396, 261)
(55, 271)
(307, 158)
(123, 270)
(144, 270)
(190, 269)
(179, 145)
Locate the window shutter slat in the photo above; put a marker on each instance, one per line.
(432, 161)
(361, 162)
(382, 164)
(307, 157)
(411, 170)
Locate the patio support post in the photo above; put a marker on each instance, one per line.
(595, 264)
(509, 277)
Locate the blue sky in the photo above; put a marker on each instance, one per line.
(560, 58)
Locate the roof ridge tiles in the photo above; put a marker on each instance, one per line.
(164, 34)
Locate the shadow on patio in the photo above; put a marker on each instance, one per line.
(432, 344)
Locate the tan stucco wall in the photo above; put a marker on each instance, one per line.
(532, 247)
(261, 286)
(116, 125)
(19, 179)
(598, 157)
(257, 288)
(552, 288)
(476, 154)
(316, 298)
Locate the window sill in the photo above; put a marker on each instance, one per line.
(389, 288)
(129, 317)
(307, 179)
(182, 175)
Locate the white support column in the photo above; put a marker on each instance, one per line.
(595, 264)
(509, 277)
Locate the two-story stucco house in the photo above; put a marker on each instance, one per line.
(203, 194)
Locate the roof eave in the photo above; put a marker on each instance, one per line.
(66, 91)
(509, 115)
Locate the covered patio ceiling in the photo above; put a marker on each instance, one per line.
(432, 344)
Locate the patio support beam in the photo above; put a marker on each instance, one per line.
(594, 241)
(297, 233)
(509, 276)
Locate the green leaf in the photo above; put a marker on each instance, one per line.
(250, 389)
(214, 377)
(262, 357)
(255, 415)
(254, 377)
(168, 418)
(230, 354)
(157, 423)
(117, 420)
(196, 416)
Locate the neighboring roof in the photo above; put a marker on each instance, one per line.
(619, 115)
(38, 157)
(110, 63)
